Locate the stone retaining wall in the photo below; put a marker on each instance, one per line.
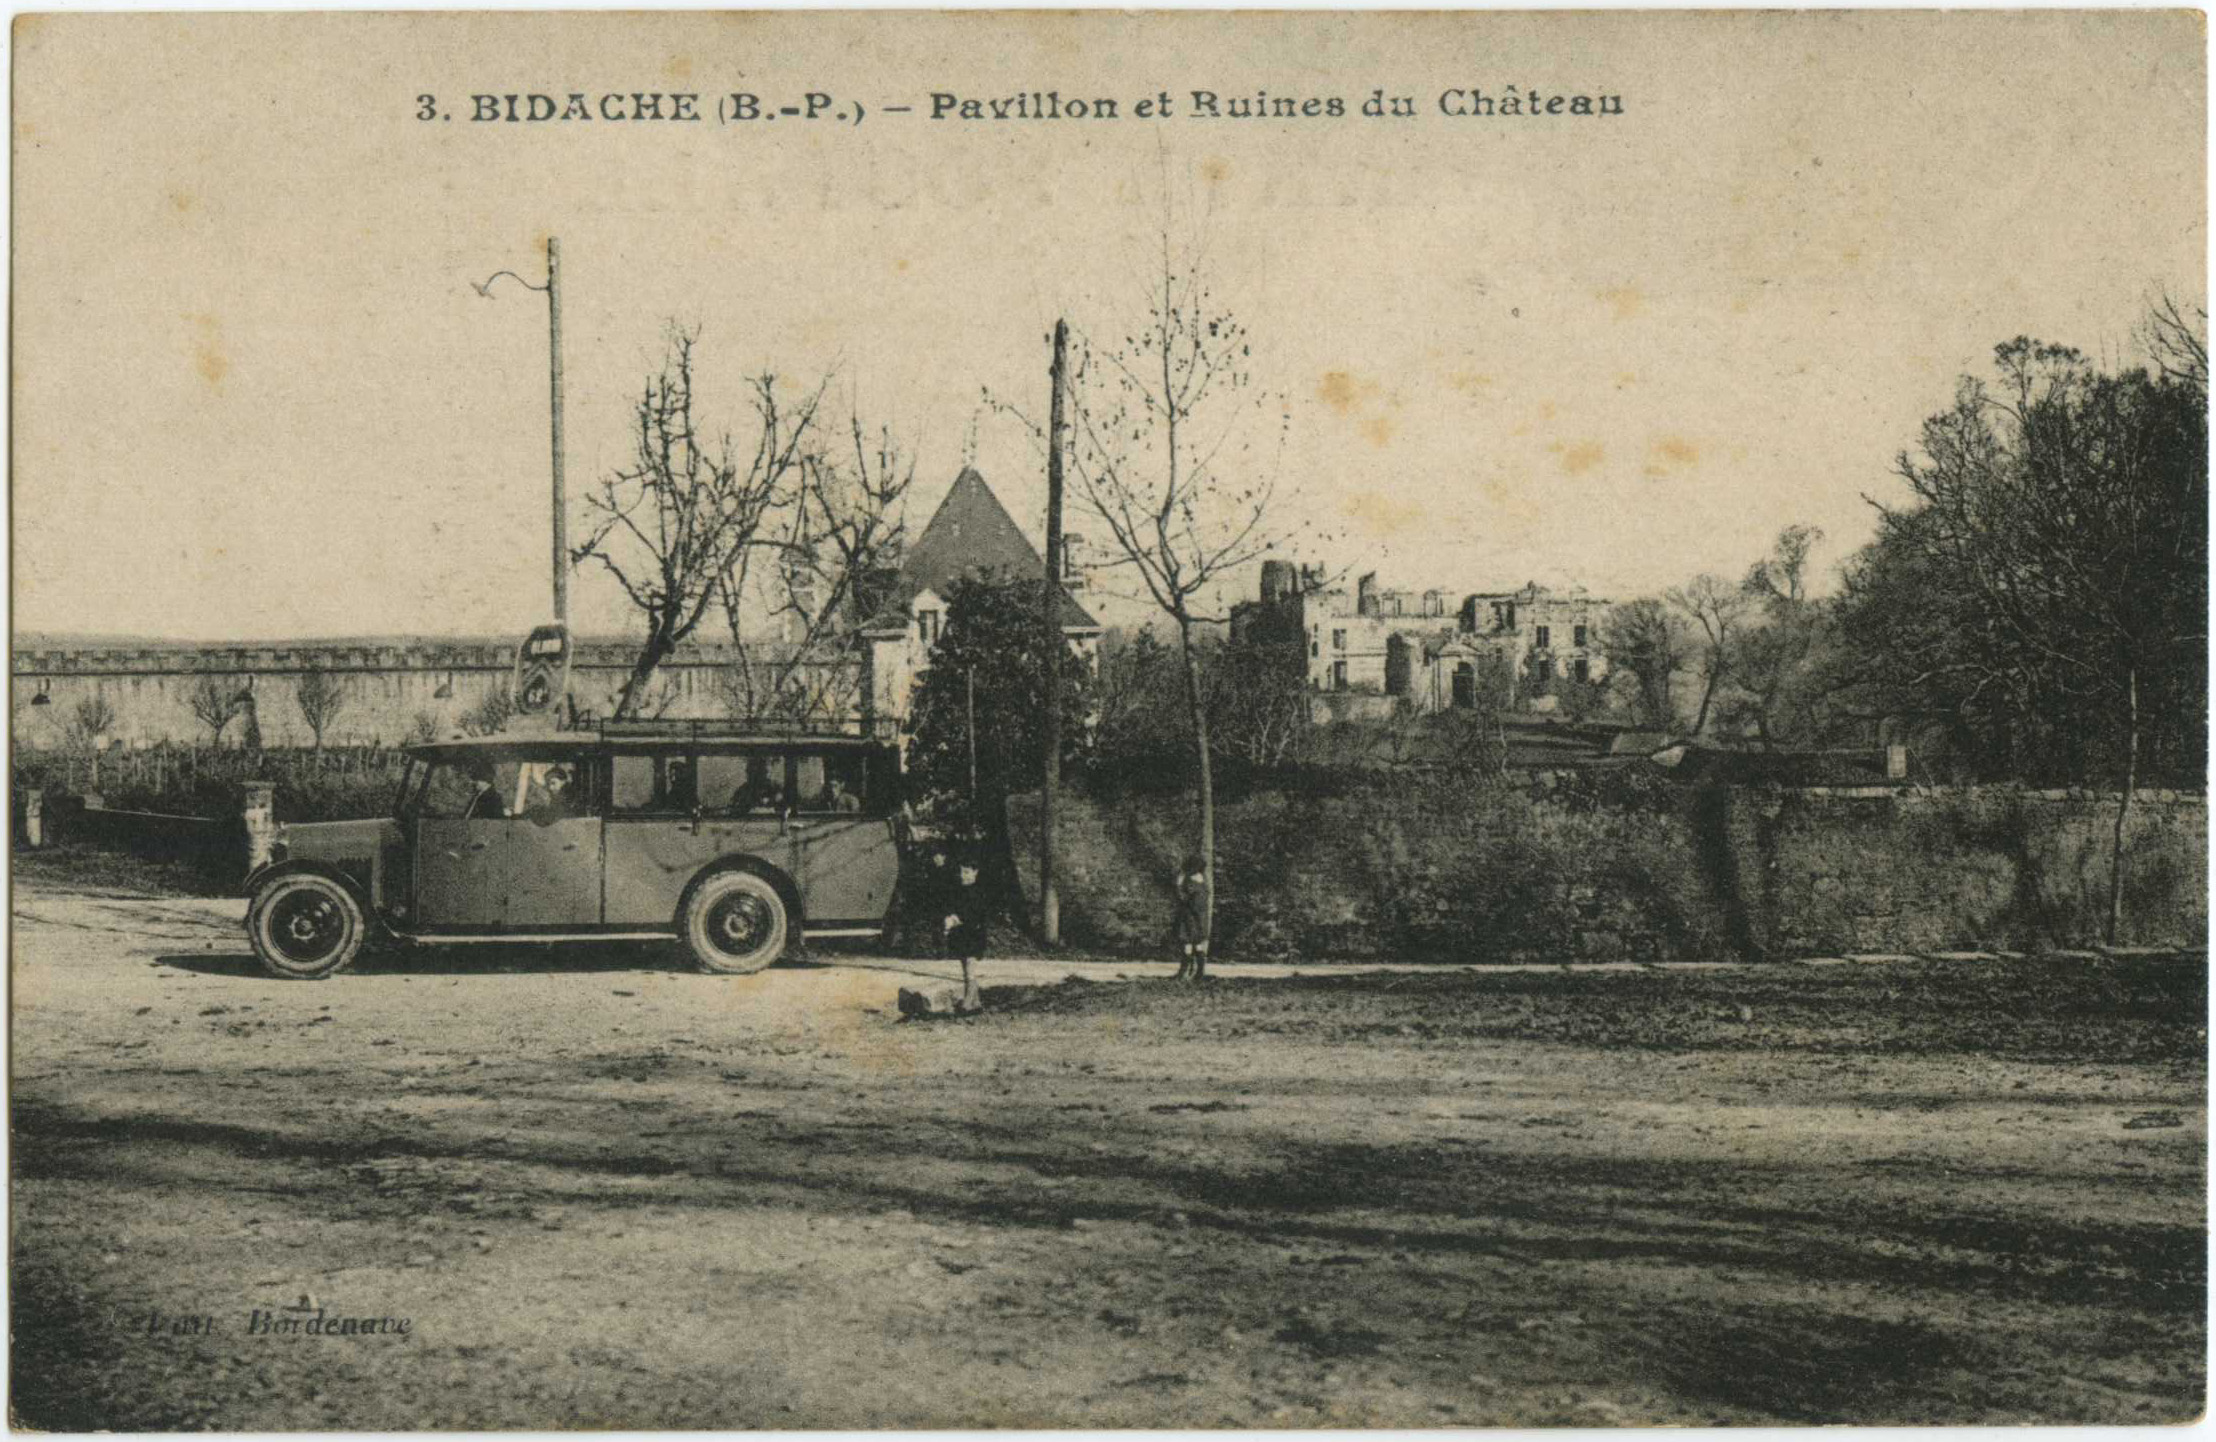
(1695, 873)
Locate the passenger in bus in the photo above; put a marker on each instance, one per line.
(760, 794)
(842, 799)
(550, 797)
(747, 794)
(680, 790)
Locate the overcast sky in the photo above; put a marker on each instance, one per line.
(256, 395)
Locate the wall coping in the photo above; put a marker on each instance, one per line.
(280, 660)
(2143, 796)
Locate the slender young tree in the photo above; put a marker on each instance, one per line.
(213, 705)
(1175, 447)
(321, 700)
(93, 718)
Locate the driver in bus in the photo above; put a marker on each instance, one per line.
(486, 804)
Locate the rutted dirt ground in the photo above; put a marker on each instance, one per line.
(605, 1192)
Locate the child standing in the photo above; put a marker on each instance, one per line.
(1191, 927)
(964, 927)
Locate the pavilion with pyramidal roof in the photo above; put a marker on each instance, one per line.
(971, 534)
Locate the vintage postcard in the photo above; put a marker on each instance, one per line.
(1108, 720)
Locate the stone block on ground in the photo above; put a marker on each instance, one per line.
(923, 1005)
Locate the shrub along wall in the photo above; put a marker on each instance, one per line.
(338, 783)
(1677, 874)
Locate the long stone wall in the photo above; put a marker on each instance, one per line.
(1865, 869)
(386, 687)
(1695, 874)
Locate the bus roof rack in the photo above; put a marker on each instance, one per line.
(724, 728)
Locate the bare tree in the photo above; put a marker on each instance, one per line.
(93, 718)
(1164, 449)
(213, 704)
(1783, 574)
(1258, 701)
(827, 541)
(322, 700)
(2176, 337)
(1716, 607)
(1645, 640)
(1771, 660)
(674, 526)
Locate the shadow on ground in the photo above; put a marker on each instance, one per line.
(1225, 1180)
(468, 960)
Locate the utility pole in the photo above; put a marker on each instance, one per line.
(561, 507)
(553, 290)
(969, 679)
(1050, 785)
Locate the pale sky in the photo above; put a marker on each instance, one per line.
(256, 396)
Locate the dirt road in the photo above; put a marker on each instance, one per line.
(600, 1191)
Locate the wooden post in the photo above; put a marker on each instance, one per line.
(1050, 785)
(260, 815)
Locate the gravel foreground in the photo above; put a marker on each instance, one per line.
(603, 1192)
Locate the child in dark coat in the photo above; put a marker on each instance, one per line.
(1191, 925)
(964, 927)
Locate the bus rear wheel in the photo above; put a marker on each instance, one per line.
(734, 922)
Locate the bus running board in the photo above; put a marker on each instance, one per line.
(512, 938)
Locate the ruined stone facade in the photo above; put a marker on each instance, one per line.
(1413, 647)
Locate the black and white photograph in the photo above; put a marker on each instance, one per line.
(1090, 720)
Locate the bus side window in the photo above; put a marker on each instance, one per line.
(809, 790)
(649, 785)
